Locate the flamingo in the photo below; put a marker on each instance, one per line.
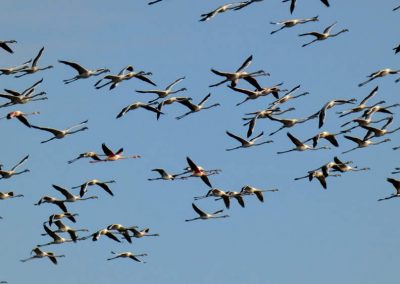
(378, 108)
(4, 45)
(13, 172)
(378, 132)
(300, 146)
(102, 184)
(198, 171)
(324, 35)
(59, 216)
(52, 200)
(288, 96)
(121, 230)
(325, 135)
(240, 74)
(164, 175)
(10, 194)
(396, 185)
(362, 143)
(57, 239)
(69, 197)
(14, 69)
(204, 216)
(207, 16)
(62, 228)
(292, 23)
(128, 254)
(20, 116)
(286, 123)
(136, 106)
(322, 113)
(247, 143)
(379, 74)
(195, 108)
(169, 101)
(343, 167)
(23, 97)
(34, 68)
(111, 156)
(83, 72)
(123, 75)
(215, 192)
(249, 190)
(164, 93)
(95, 236)
(362, 105)
(92, 155)
(252, 95)
(293, 4)
(41, 254)
(59, 134)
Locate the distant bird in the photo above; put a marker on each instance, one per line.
(68, 215)
(300, 146)
(293, 4)
(164, 175)
(198, 171)
(362, 122)
(136, 106)
(14, 69)
(397, 171)
(92, 155)
(41, 254)
(59, 134)
(4, 45)
(169, 101)
(57, 239)
(8, 174)
(111, 156)
(83, 73)
(154, 2)
(252, 95)
(52, 200)
(362, 105)
(396, 184)
(126, 73)
(195, 108)
(362, 143)
(164, 93)
(234, 77)
(10, 194)
(128, 254)
(121, 230)
(379, 74)
(396, 8)
(325, 135)
(204, 216)
(246, 143)
(220, 9)
(20, 116)
(102, 184)
(249, 190)
(287, 123)
(324, 35)
(292, 23)
(69, 197)
(34, 68)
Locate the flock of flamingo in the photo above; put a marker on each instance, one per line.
(251, 88)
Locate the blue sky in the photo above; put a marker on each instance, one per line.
(301, 234)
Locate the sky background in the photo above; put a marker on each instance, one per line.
(300, 234)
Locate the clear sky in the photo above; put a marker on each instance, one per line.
(300, 234)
